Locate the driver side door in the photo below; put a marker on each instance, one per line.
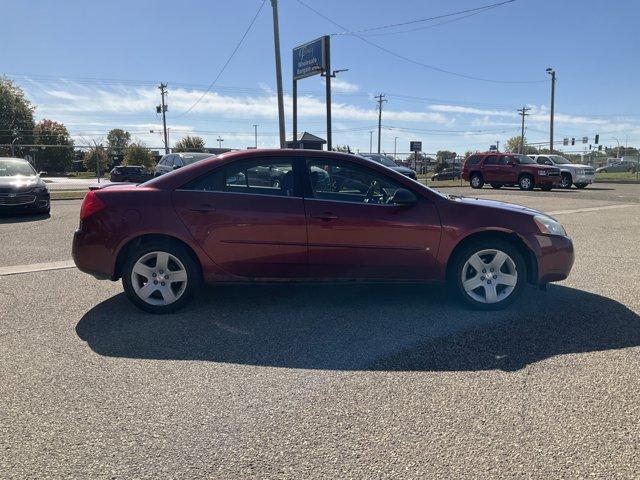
(355, 232)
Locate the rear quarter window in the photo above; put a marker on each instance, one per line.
(473, 160)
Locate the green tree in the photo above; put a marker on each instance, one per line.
(189, 144)
(342, 148)
(138, 154)
(59, 157)
(95, 155)
(117, 141)
(513, 145)
(16, 118)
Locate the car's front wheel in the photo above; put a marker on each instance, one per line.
(526, 182)
(565, 180)
(476, 181)
(489, 274)
(160, 277)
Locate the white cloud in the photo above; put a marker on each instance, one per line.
(343, 86)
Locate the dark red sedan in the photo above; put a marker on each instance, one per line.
(331, 216)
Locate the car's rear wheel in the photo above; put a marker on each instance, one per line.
(526, 182)
(160, 277)
(496, 185)
(489, 274)
(476, 181)
(581, 185)
(565, 180)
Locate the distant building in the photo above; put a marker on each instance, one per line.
(307, 141)
(217, 151)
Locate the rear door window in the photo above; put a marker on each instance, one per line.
(491, 160)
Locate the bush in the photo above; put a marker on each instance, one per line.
(138, 154)
(96, 155)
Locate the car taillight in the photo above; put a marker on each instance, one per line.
(91, 205)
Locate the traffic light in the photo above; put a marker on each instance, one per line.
(565, 142)
(599, 147)
(597, 138)
(573, 141)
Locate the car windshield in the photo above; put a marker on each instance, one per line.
(190, 158)
(559, 160)
(12, 168)
(386, 161)
(523, 159)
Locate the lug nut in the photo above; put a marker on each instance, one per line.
(166, 277)
(489, 282)
(155, 282)
(495, 276)
(492, 269)
(154, 274)
(481, 278)
(161, 272)
(162, 283)
(484, 270)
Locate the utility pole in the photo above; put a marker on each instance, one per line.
(380, 100)
(370, 141)
(523, 113)
(13, 153)
(552, 72)
(163, 108)
(498, 145)
(220, 140)
(276, 41)
(395, 147)
(255, 134)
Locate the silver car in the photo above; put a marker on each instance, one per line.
(172, 161)
(619, 166)
(570, 173)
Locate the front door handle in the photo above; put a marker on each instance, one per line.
(325, 216)
(204, 208)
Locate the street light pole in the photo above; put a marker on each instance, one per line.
(618, 150)
(276, 41)
(552, 72)
(370, 141)
(13, 154)
(395, 147)
(220, 140)
(255, 129)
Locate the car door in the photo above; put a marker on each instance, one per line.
(491, 169)
(508, 172)
(247, 228)
(354, 232)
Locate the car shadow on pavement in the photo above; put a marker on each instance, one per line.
(362, 327)
(27, 217)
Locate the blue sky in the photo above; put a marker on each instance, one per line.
(94, 66)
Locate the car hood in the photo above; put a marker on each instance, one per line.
(20, 182)
(575, 165)
(511, 207)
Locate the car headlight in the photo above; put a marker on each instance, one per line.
(549, 226)
(39, 190)
(542, 173)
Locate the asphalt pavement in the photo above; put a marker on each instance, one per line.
(309, 381)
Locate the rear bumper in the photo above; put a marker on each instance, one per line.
(91, 255)
(554, 254)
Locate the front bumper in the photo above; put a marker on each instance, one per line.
(584, 178)
(554, 254)
(24, 202)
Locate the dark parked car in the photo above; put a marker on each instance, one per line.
(21, 188)
(619, 166)
(447, 174)
(129, 173)
(389, 162)
(164, 237)
(172, 161)
(499, 169)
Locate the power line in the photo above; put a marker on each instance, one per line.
(420, 20)
(244, 35)
(415, 62)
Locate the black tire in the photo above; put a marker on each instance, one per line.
(476, 180)
(275, 184)
(546, 189)
(602, 171)
(525, 182)
(194, 278)
(465, 253)
(565, 180)
(497, 186)
(581, 185)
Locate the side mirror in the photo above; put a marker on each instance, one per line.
(42, 174)
(404, 197)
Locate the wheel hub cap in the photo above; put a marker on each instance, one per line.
(489, 276)
(159, 278)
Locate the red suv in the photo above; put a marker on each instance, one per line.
(500, 169)
(330, 216)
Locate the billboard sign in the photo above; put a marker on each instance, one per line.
(309, 59)
(415, 146)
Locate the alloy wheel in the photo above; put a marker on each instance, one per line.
(489, 276)
(159, 278)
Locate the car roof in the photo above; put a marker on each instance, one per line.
(184, 174)
(15, 159)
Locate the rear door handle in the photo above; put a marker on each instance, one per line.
(204, 208)
(325, 216)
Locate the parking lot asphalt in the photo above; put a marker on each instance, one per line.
(311, 381)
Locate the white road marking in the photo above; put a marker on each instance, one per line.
(36, 267)
(589, 209)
